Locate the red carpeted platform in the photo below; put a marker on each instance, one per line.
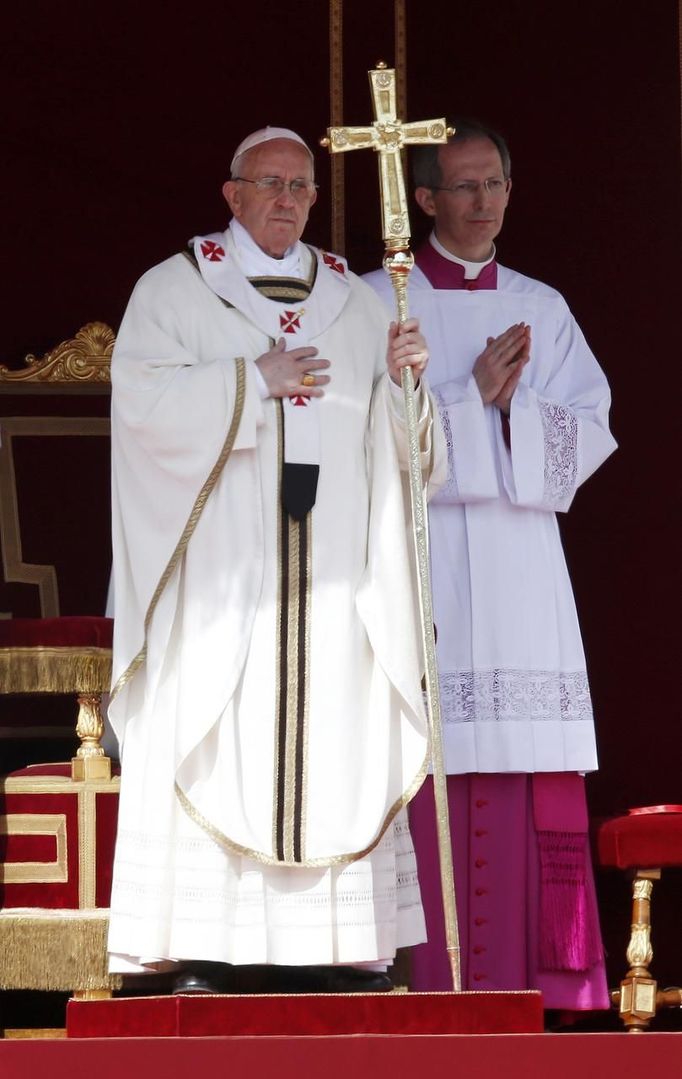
(513, 1056)
(306, 1014)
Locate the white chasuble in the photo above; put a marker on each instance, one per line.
(266, 672)
(514, 688)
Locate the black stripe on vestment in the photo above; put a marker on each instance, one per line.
(282, 681)
(292, 689)
(302, 685)
(294, 544)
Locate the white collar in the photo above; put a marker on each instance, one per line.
(254, 262)
(471, 269)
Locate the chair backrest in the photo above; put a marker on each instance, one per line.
(55, 549)
(54, 479)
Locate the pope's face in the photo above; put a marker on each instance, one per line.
(469, 216)
(274, 222)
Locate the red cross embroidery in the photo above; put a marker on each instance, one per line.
(290, 321)
(299, 400)
(333, 263)
(212, 251)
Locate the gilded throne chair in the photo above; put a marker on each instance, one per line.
(57, 819)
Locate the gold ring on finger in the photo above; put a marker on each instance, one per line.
(308, 379)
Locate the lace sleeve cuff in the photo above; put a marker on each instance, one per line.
(542, 470)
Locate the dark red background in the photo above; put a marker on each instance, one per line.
(119, 123)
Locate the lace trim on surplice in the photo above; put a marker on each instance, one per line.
(560, 433)
(449, 491)
(495, 696)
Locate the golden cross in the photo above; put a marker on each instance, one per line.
(387, 136)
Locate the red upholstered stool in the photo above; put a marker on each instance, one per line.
(642, 842)
(58, 821)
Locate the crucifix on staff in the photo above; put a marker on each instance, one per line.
(387, 136)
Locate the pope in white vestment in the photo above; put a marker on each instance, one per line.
(267, 668)
(514, 690)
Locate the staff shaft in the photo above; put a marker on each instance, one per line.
(398, 278)
(387, 136)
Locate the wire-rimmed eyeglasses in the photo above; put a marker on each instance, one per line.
(273, 186)
(469, 188)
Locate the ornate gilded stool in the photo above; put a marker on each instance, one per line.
(643, 842)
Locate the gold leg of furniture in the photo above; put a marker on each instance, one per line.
(90, 761)
(637, 996)
(669, 998)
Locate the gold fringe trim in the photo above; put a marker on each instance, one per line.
(55, 670)
(51, 950)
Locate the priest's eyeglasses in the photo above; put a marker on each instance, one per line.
(469, 188)
(272, 187)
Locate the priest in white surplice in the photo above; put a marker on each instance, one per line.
(267, 670)
(524, 406)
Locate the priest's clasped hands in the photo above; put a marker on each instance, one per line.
(499, 367)
(287, 373)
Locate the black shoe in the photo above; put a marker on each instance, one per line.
(356, 980)
(201, 977)
(323, 979)
(189, 983)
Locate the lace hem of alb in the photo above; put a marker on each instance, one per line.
(498, 695)
(560, 433)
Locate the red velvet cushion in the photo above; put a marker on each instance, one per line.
(68, 632)
(57, 768)
(649, 840)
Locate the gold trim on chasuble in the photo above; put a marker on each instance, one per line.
(197, 509)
